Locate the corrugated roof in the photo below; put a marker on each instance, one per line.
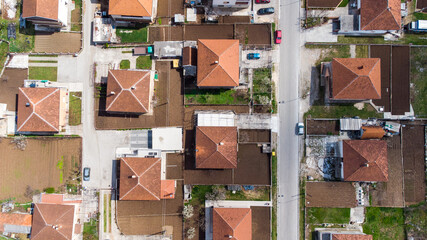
(40, 8)
(52, 221)
(370, 132)
(138, 8)
(216, 147)
(38, 110)
(232, 223)
(350, 124)
(218, 63)
(365, 160)
(128, 91)
(14, 219)
(140, 180)
(356, 78)
(380, 15)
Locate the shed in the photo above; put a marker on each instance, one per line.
(372, 132)
(215, 119)
(350, 124)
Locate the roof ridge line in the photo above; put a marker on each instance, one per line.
(212, 142)
(26, 120)
(44, 120)
(225, 220)
(142, 105)
(151, 166)
(369, 76)
(241, 220)
(62, 217)
(357, 76)
(111, 104)
(209, 73)
(130, 190)
(376, 17)
(44, 98)
(150, 191)
(44, 220)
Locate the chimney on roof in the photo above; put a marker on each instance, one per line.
(221, 143)
(360, 67)
(216, 62)
(133, 87)
(365, 165)
(27, 104)
(112, 93)
(133, 176)
(230, 236)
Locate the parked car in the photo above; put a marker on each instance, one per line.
(266, 11)
(253, 56)
(300, 128)
(278, 36)
(262, 1)
(86, 174)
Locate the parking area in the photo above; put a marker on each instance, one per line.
(266, 18)
(249, 58)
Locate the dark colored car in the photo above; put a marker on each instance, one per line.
(266, 11)
(86, 174)
(262, 1)
(278, 36)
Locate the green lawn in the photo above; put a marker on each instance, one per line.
(125, 64)
(362, 51)
(258, 194)
(76, 18)
(328, 215)
(420, 16)
(416, 39)
(90, 230)
(198, 194)
(217, 96)
(274, 196)
(143, 62)
(335, 51)
(24, 41)
(43, 73)
(416, 220)
(340, 111)
(262, 86)
(343, 3)
(3, 54)
(419, 81)
(132, 35)
(75, 117)
(384, 223)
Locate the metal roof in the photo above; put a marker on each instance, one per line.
(350, 124)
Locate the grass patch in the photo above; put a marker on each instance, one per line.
(42, 61)
(274, 196)
(43, 55)
(143, 62)
(132, 35)
(362, 51)
(60, 167)
(90, 230)
(105, 212)
(420, 16)
(262, 86)
(340, 111)
(328, 215)
(344, 3)
(127, 51)
(49, 190)
(416, 39)
(384, 223)
(217, 96)
(198, 194)
(75, 111)
(3, 54)
(43, 73)
(76, 18)
(416, 220)
(125, 64)
(302, 209)
(419, 81)
(109, 212)
(258, 194)
(335, 51)
(24, 41)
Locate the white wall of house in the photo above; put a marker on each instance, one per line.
(63, 11)
(231, 3)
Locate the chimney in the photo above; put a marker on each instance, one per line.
(230, 236)
(133, 87)
(133, 176)
(112, 93)
(216, 62)
(221, 143)
(365, 165)
(360, 67)
(27, 104)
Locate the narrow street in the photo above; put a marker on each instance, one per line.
(288, 150)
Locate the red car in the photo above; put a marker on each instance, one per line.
(278, 36)
(262, 1)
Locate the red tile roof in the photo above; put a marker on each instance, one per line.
(380, 15)
(365, 160)
(131, 91)
(52, 222)
(40, 8)
(42, 113)
(351, 237)
(139, 8)
(140, 180)
(218, 63)
(356, 78)
(18, 219)
(234, 222)
(216, 147)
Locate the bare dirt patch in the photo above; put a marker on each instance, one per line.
(323, 127)
(59, 42)
(261, 223)
(10, 81)
(45, 162)
(206, 31)
(253, 33)
(168, 8)
(168, 110)
(174, 33)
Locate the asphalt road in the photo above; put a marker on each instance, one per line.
(288, 154)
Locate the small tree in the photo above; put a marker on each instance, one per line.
(188, 211)
(218, 193)
(20, 141)
(191, 233)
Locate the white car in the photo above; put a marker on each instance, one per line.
(300, 128)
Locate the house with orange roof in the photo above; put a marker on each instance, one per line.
(15, 223)
(41, 110)
(232, 223)
(45, 14)
(353, 79)
(371, 17)
(364, 161)
(125, 12)
(218, 63)
(141, 178)
(129, 91)
(53, 221)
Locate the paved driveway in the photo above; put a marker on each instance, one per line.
(264, 61)
(265, 18)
